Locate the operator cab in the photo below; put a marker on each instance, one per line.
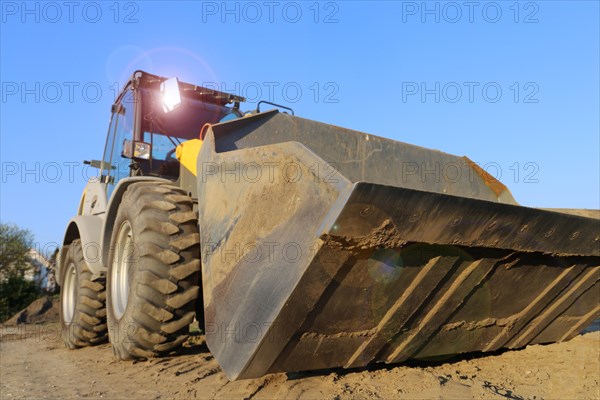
(151, 117)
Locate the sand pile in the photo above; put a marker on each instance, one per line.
(40, 311)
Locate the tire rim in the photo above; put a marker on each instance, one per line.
(121, 268)
(69, 294)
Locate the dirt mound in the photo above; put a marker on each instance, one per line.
(34, 363)
(40, 311)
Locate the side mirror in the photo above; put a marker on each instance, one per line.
(170, 95)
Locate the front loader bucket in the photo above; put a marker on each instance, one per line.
(324, 247)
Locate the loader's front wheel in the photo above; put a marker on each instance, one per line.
(82, 305)
(153, 272)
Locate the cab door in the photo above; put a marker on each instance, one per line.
(114, 165)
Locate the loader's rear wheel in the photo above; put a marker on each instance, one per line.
(82, 308)
(153, 272)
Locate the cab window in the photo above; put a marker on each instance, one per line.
(116, 167)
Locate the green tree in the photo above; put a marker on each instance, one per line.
(14, 245)
(16, 292)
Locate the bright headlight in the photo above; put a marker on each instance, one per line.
(169, 91)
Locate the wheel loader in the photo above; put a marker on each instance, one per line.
(299, 245)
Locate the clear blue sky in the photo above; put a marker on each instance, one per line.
(61, 63)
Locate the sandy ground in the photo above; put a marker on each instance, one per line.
(35, 364)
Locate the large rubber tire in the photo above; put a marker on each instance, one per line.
(82, 308)
(162, 269)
